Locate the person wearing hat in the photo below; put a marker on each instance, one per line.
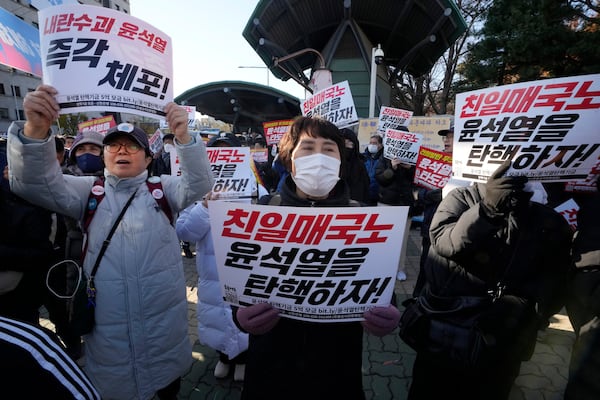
(355, 173)
(85, 157)
(224, 139)
(430, 199)
(139, 346)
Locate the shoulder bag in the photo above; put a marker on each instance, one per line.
(471, 331)
(82, 305)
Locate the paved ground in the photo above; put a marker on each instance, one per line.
(387, 362)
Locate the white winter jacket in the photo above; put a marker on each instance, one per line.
(140, 340)
(215, 322)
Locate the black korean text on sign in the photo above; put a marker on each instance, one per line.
(327, 292)
(242, 255)
(60, 51)
(123, 77)
(518, 129)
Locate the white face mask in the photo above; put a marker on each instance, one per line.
(168, 148)
(372, 148)
(317, 174)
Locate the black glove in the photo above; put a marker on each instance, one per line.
(501, 190)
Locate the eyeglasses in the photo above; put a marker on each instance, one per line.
(115, 147)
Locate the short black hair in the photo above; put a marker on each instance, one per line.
(315, 127)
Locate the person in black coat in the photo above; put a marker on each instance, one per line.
(482, 235)
(395, 180)
(292, 359)
(429, 199)
(355, 173)
(25, 250)
(583, 305)
(34, 365)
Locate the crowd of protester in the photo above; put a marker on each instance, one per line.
(473, 238)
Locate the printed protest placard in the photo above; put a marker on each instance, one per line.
(313, 264)
(335, 104)
(401, 145)
(548, 128)
(392, 118)
(155, 142)
(232, 171)
(260, 155)
(101, 59)
(191, 110)
(274, 130)
(569, 210)
(19, 44)
(434, 168)
(100, 125)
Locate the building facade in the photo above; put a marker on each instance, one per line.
(15, 84)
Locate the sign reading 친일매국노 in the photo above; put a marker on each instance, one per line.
(315, 264)
(392, 118)
(100, 59)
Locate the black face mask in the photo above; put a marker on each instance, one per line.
(89, 163)
(348, 151)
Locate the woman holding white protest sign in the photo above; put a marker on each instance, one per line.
(293, 359)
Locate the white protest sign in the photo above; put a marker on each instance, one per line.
(335, 104)
(232, 171)
(101, 59)
(392, 118)
(260, 155)
(402, 145)
(569, 210)
(191, 110)
(325, 264)
(548, 128)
